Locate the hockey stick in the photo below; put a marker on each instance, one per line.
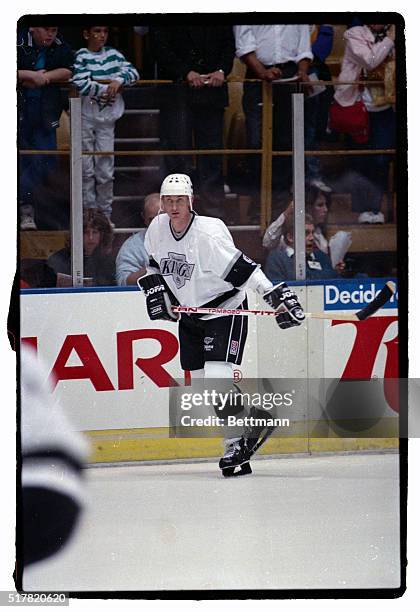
(261, 441)
(382, 298)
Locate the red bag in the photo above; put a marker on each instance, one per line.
(352, 120)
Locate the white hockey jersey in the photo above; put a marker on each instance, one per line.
(202, 267)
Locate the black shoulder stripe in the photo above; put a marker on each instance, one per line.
(240, 271)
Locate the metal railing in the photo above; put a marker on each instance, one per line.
(267, 153)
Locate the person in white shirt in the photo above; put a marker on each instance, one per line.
(272, 53)
(194, 262)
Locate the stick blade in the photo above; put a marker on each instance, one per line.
(382, 298)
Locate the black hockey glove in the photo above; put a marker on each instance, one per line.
(158, 301)
(281, 296)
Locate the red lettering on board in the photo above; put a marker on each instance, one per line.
(369, 336)
(31, 342)
(391, 382)
(91, 367)
(151, 366)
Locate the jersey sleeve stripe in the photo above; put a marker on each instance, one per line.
(240, 270)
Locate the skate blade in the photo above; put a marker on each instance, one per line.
(243, 470)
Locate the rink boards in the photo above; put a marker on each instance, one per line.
(113, 368)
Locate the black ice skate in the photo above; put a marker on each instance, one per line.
(239, 452)
(236, 456)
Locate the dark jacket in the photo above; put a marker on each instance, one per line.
(58, 55)
(203, 49)
(279, 266)
(99, 266)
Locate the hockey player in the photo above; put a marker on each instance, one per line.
(194, 262)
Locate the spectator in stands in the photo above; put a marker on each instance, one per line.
(98, 263)
(368, 48)
(272, 53)
(280, 263)
(317, 101)
(132, 258)
(43, 60)
(317, 205)
(102, 106)
(199, 58)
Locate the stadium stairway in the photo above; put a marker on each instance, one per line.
(135, 176)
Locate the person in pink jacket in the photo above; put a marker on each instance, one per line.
(367, 48)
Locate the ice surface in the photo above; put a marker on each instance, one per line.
(296, 523)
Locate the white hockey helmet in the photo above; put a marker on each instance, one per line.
(177, 184)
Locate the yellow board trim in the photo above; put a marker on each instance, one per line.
(154, 444)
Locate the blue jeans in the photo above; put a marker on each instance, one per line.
(33, 134)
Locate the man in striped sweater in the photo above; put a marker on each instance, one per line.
(102, 105)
